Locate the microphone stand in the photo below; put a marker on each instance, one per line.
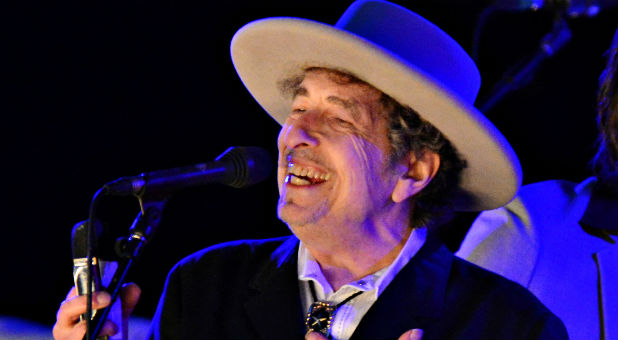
(551, 43)
(129, 250)
(242, 166)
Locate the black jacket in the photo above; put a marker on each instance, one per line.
(249, 290)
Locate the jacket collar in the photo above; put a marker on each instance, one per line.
(413, 299)
(275, 307)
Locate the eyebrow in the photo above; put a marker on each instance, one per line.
(299, 91)
(351, 106)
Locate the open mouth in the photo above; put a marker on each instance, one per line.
(302, 176)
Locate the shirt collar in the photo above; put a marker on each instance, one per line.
(309, 269)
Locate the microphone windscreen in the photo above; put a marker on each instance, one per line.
(252, 164)
(79, 238)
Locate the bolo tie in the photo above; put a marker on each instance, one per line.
(321, 313)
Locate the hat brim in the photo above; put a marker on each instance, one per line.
(267, 51)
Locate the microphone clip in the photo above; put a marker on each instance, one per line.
(142, 230)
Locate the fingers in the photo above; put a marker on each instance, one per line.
(72, 293)
(77, 331)
(109, 328)
(67, 324)
(72, 308)
(314, 336)
(413, 334)
(129, 295)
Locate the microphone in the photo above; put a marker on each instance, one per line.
(574, 8)
(237, 167)
(79, 248)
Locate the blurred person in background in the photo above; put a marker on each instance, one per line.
(558, 238)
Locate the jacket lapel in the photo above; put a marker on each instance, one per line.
(414, 299)
(275, 308)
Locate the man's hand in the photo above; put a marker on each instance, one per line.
(413, 334)
(69, 327)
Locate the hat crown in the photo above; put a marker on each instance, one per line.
(416, 42)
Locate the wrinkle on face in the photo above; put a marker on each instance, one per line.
(347, 124)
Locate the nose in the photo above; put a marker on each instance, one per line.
(300, 132)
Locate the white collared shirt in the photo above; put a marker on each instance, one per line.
(349, 315)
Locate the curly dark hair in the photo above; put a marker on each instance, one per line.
(605, 162)
(408, 132)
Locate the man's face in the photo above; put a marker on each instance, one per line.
(333, 156)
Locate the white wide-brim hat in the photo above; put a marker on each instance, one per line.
(404, 56)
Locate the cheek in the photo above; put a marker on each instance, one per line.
(367, 160)
(368, 174)
(372, 154)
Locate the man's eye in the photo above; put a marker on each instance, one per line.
(342, 122)
(299, 110)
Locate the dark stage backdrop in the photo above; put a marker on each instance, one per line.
(96, 91)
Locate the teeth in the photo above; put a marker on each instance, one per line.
(297, 170)
(298, 181)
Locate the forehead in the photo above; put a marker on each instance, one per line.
(339, 89)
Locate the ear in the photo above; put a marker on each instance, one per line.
(422, 168)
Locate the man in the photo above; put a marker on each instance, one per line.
(559, 238)
(379, 140)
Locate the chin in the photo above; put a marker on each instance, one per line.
(296, 216)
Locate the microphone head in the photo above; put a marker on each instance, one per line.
(252, 164)
(79, 238)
